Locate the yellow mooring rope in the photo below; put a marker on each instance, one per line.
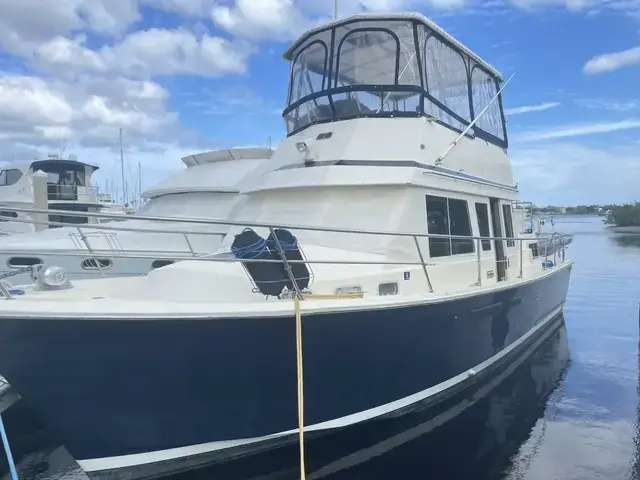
(299, 365)
(300, 387)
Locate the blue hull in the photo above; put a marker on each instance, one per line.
(109, 388)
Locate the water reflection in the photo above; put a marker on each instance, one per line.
(483, 431)
(626, 240)
(636, 437)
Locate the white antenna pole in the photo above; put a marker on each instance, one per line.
(124, 185)
(335, 9)
(470, 126)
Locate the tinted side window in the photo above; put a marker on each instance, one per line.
(10, 177)
(482, 211)
(460, 224)
(508, 225)
(160, 263)
(438, 224)
(448, 217)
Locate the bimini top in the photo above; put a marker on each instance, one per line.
(62, 162)
(414, 17)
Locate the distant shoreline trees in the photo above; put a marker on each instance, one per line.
(627, 215)
(579, 210)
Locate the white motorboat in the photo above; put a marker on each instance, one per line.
(208, 188)
(384, 242)
(66, 186)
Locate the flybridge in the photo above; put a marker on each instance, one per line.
(394, 65)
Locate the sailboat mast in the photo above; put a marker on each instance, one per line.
(124, 185)
(139, 182)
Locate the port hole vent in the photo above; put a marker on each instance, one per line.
(349, 290)
(24, 261)
(96, 263)
(390, 288)
(160, 263)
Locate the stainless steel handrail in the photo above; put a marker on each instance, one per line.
(233, 223)
(226, 258)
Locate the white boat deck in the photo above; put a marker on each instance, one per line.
(134, 298)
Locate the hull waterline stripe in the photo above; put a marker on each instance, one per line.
(110, 463)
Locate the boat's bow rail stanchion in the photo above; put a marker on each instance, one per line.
(555, 245)
(81, 241)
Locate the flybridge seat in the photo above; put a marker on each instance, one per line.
(271, 278)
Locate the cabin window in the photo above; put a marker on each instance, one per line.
(438, 224)
(460, 224)
(535, 251)
(484, 88)
(308, 76)
(67, 219)
(448, 216)
(352, 290)
(508, 225)
(10, 176)
(447, 83)
(306, 79)
(24, 262)
(160, 263)
(96, 263)
(5, 215)
(366, 56)
(482, 212)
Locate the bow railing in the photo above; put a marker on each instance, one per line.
(524, 245)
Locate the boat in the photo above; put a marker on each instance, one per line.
(550, 241)
(64, 185)
(208, 188)
(381, 255)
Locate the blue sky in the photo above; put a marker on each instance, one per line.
(183, 76)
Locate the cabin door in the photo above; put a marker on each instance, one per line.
(501, 260)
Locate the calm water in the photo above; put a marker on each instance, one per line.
(568, 412)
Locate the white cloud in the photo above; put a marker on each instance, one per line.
(609, 62)
(24, 24)
(572, 5)
(88, 111)
(286, 19)
(576, 130)
(261, 18)
(574, 174)
(530, 108)
(147, 52)
(32, 100)
(67, 53)
(615, 105)
(196, 8)
(170, 52)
